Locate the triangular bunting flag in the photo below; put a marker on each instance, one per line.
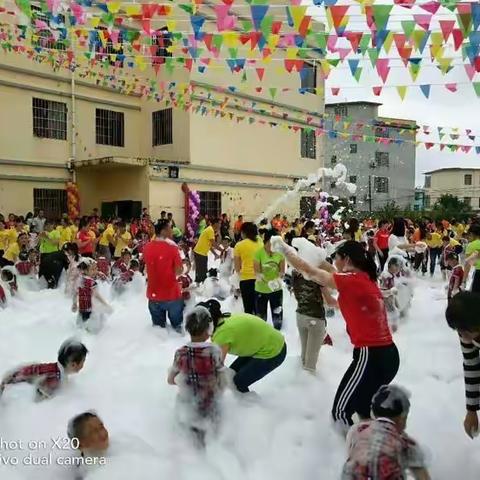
(425, 90)
(402, 90)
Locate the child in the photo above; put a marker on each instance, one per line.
(73, 273)
(214, 287)
(199, 372)
(10, 279)
(103, 267)
(226, 258)
(89, 433)
(3, 298)
(121, 272)
(456, 278)
(185, 280)
(379, 449)
(447, 248)
(48, 377)
(389, 292)
(84, 295)
(26, 263)
(311, 321)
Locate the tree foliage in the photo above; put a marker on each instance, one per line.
(448, 207)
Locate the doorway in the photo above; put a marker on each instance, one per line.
(124, 209)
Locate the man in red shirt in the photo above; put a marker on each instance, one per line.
(380, 241)
(163, 264)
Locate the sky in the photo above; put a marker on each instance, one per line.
(443, 108)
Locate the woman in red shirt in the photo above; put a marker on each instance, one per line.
(380, 242)
(375, 356)
(86, 239)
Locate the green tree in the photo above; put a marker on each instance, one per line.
(448, 207)
(389, 211)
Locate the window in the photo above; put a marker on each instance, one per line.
(467, 179)
(381, 184)
(107, 48)
(211, 204)
(353, 200)
(341, 110)
(333, 185)
(467, 200)
(333, 160)
(308, 77)
(353, 179)
(382, 159)
(308, 207)
(428, 181)
(54, 36)
(162, 39)
(52, 201)
(162, 127)
(353, 148)
(382, 132)
(49, 119)
(309, 144)
(110, 128)
(419, 195)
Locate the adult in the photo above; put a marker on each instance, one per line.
(353, 230)
(380, 242)
(29, 219)
(106, 239)
(4, 238)
(434, 242)
(53, 264)
(277, 223)
(375, 356)
(171, 220)
(49, 239)
(269, 272)
(237, 227)
(122, 239)
(259, 347)
(86, 239)
(462, 316)
(243, 256)
(472, 247)
(308, 231)
(397, 238)
(12, 253)
(224, 226)
(163, 264)
(206, 243)
(38, 223)
(421, 254)
(163, 215)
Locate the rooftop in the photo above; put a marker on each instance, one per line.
(450, 169)
(334, 104)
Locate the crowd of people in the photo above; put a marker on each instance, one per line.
(358, 267)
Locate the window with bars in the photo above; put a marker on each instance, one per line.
(381, 184)
(353, 148)
(382, 159)
(162, 127)
(53, 37)
(353, 200)
(52, 201)
(333, 160)
(110, 128)
(308, 77)
(341, 110)
(211, 204)
(308, 144)
(467, 179)
(106, 48)
(162, 39)
(49, 119)
(353, 179)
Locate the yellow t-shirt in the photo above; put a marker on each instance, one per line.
(123, 241)
(107, 236)
(204, 242)
(358, 235)
(246, 249)
(435, 240)
(459, 229)
(4, 239)
(65, 235)
(12, 252)
(74, 230)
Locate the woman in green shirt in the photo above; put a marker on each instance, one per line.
(269, 272)
(259, 347)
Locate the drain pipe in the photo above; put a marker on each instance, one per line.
(73, 124)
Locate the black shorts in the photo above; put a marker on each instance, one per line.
(85, 315)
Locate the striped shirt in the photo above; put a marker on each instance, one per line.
(471, 369)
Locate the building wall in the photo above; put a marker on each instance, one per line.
(452, 181)
(401, 170)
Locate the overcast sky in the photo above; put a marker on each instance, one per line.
(443, 108)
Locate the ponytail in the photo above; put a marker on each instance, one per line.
(359, 257)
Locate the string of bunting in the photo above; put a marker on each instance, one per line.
(263, 34)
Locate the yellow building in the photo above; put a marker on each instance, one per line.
(127, 152)
(463, 183)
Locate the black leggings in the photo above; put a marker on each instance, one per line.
(383, 258)
(371, 368)
(476, 282)
(247, 288)
(276, 307)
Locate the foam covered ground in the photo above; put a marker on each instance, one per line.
(285, 434)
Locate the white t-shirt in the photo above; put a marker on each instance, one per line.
(394, 241)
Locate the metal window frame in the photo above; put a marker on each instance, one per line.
(381, 184)
(308, 147)
(52, 201)
(49, 119)
(382, 159)
(308, 82)
(211, 203)
(162, 127)
(109, 127)
(355, 149)
(465, 179)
